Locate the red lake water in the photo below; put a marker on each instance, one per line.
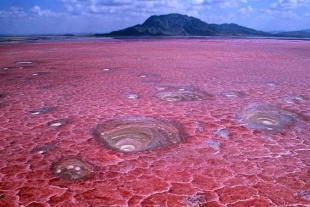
(155, 123)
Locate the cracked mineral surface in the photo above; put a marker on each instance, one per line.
(50, 158)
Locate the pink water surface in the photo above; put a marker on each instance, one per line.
(245, 168)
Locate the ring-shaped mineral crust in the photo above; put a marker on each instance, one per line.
(39, 73)
(232, 94)
(43, 110)
(150, 77)
(58, 122)
(25, 62)
(270, 83)
(108, 69)
(175, 88)
(43, 149)
(266, 117)
(72, 169)
(177, 96)
(138, 133)
(131, 96)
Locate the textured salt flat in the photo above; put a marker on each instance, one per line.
(54, 94)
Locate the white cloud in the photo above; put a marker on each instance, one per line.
(232, 3)
(219, 19)
(13, 12)
(282, 14)
(197, 1)
(287, 9)
(129, 7)
(289, 4)
(43, 13)
(68, 1)
(220, 3)
(135, 11)
(144, 7)
(246, 10)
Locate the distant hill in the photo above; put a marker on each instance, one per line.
(300, 33)
(182, 25)
(275, 31)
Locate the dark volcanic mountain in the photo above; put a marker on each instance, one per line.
(182, 25)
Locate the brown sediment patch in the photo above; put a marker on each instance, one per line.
(138, 133)
(177, 96)
(232, 94)
(72, 169)
(266, 117)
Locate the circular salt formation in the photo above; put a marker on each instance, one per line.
(265, 117)
(222, 132)
(131, 96)
(43, 87)
(232, 94)
(43, 149)
(287, 100)
(270, 83)
(43, 110)
(72, 169)
(175, 88)
(299, 97)
(108, 69)
(150, 77)
(58, 122)
(161, 88)
(40, 73)
(25, 62)
(177, 96)
(294, 99)
(138, 133)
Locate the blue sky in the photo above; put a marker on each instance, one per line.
(102, 16)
